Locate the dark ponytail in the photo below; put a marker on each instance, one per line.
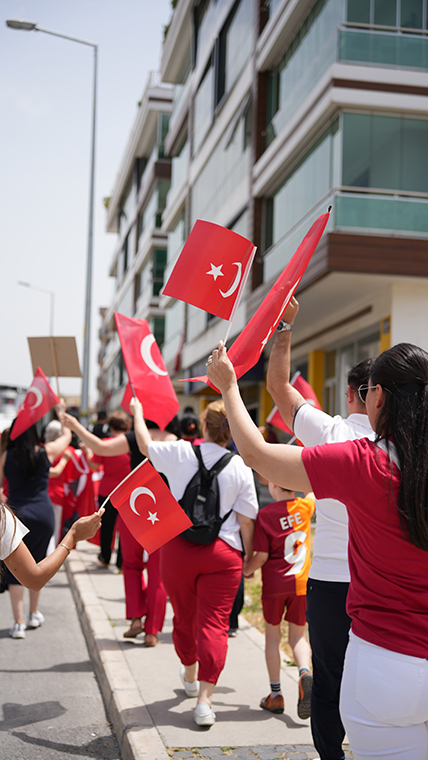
(403, 373)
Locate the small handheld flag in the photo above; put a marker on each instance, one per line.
(212, 269)
(148, 507)
(39, 400)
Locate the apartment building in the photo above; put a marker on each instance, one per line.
(134, 215)
(280, 109)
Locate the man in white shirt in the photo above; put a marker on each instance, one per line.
(329, 574)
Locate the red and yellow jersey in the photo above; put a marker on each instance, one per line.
(283, 530)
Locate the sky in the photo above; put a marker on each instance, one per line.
(46, 117)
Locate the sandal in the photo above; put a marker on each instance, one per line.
(150, 640)
(134, 630)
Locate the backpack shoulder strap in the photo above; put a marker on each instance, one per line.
(218, 466)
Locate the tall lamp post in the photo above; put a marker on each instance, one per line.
(52, 304)
(29, 26)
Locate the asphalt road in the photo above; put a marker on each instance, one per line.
(51, 706)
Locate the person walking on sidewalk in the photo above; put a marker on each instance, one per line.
(202, 579)
(115, 470)
(282, 545)
(141, 600)
(329, 577)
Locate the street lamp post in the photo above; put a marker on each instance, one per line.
(52, 303)
(31, 26)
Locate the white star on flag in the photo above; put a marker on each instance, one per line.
(216, 271)
(153, 517)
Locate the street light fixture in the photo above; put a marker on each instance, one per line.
(29, 26)
(52, 305)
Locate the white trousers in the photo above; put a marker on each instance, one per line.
(384, 703)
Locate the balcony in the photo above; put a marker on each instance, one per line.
(351, 46)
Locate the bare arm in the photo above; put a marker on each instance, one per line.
(55, 472)
(34, 575)
(246, 525)
(255, 563)
(287, 399)
(142, 434)
(55, 448)
(280, 464)
(110, 447)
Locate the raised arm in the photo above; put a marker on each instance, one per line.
(280, 464)
(109, 447)
(34, 575)
(142, 434)
(55, 448)
(287, 399)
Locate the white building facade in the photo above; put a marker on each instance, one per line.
(280, 109)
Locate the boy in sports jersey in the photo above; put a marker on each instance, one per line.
(282, 546)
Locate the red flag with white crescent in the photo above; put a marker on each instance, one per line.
(148, 507)
(305, 389)
(212, 269)
(39, 400)
(247, 348)
(146, 371)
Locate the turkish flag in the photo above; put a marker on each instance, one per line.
(305, 389)
(146, 371)
(211, 269)
(148, 507)
(247, 348)
(40, 399)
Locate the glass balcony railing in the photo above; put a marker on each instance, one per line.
(381, 213)
(383, 48)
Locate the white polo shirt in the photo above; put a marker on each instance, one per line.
(330, 554)
(177, 460)
(13, 533)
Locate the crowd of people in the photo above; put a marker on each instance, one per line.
(363, 592)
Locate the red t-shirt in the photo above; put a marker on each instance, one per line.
(283, 530)
(388, 594)
(115, 470)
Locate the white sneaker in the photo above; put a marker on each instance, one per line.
(204, 715)
(190, 687)
(35, 620)
(17, 631)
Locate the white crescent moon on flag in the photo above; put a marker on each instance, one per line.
(39, 397)
(145, 348)
(236, 281)
(138, 492)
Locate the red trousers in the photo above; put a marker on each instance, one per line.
(141, 599)
(201, 582)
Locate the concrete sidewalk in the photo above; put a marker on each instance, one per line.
(151, 715)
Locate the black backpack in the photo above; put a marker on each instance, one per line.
(201, 501)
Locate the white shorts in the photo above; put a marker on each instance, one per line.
(384, 703)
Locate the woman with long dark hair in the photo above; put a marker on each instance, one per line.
(384, 485)
(25, 464)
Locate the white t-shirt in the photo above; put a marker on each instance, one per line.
(177, 460)
(330, 555)
(9, 542)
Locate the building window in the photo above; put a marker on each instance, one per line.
(203, 107)
(158, 330)
(159, 264)
(298, 71)
(385, 152)
(407, 14)
(235, 45)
